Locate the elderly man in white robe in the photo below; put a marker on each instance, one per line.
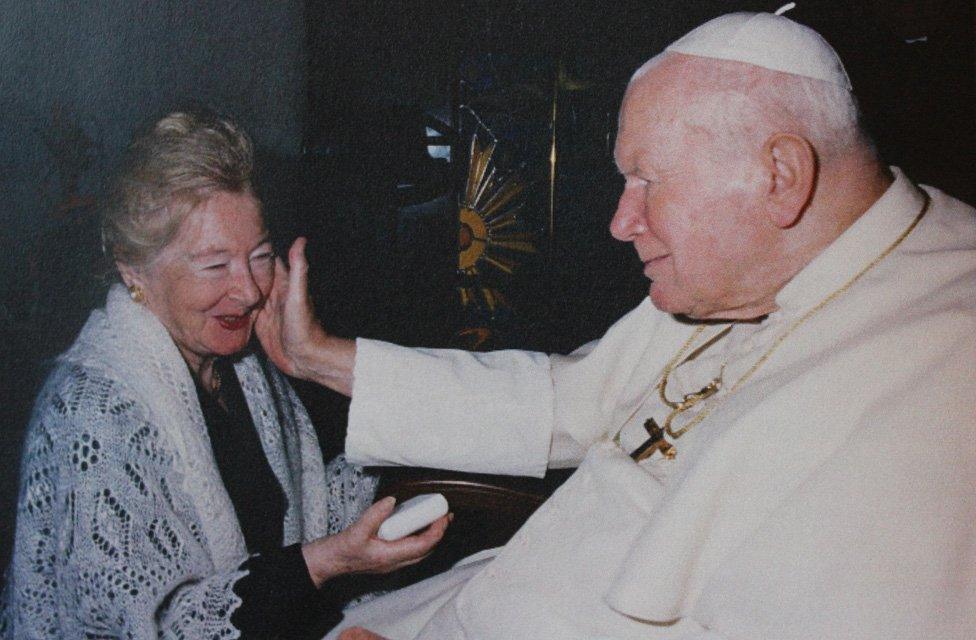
(778, 443)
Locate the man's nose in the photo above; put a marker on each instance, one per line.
(628, 220)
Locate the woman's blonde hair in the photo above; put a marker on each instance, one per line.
(181, 161)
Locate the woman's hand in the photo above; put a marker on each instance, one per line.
(291, 334)
(358, 550)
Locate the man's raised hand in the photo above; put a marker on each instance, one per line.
(291, 334)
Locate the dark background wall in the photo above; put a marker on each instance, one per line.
(337, 96)
(375, 72)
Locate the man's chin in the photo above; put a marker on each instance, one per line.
(684, 308)
(664, 302)
(667, 302)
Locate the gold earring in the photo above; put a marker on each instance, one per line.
(137, 294)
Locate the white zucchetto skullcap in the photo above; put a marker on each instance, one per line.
(766, 40)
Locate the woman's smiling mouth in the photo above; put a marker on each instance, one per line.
(233, 323)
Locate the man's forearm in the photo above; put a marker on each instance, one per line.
(476, 412)
(329, 363)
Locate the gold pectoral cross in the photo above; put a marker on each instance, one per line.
(655, 442)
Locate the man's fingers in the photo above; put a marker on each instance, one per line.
(281, 276)
(267, 317)
(297, 270)
(296, 252)
(279, 287)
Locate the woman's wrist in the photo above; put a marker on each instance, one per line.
(323, 560)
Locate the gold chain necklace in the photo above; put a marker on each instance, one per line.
(656, 433)
(690, 399)
(215, 381)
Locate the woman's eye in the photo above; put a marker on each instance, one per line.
(265, 256)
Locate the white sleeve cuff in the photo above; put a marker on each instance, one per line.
(474, 412)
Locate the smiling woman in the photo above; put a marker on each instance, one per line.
(185, 230)
(173, 485)
(208, 283)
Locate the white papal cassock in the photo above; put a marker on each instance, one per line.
(832, 496)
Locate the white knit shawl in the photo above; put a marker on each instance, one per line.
(124, 526)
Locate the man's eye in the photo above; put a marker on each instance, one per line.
(267, 255)
(215, 267)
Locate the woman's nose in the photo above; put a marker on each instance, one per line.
(628, 220)
(246, 290)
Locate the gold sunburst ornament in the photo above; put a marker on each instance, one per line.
(489, 232)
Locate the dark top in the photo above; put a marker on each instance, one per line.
(278, 597)
(253, 488)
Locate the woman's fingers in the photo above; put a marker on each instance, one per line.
(413, 548)
(422, 543)
(413, 545)
(373, 517)
(386, 555)
(358, 550)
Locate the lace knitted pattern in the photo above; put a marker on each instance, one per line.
(124, 528)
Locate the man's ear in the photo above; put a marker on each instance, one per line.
(791, 164)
